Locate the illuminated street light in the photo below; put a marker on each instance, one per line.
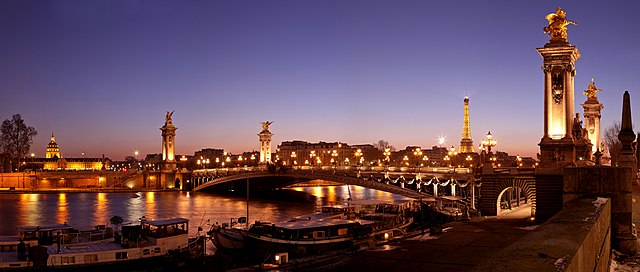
(488, 143)
(417, 153)
(387, 153)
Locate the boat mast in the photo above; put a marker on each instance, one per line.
(247, 224)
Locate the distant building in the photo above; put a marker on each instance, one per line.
(53, 151)
(54, 161)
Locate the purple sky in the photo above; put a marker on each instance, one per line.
(102, 74)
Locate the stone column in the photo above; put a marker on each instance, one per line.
(547, 100)
(625, 229)
(568, 103)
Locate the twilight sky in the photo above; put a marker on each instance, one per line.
(102, 74)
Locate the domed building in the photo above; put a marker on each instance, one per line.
(54, 161)
(53, 151)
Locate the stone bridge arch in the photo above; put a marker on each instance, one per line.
(494, 186)
(263, 177)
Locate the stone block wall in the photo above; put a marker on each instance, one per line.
(578, 238)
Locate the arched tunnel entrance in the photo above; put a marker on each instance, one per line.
(503, 194)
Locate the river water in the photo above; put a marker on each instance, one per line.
(86, 210)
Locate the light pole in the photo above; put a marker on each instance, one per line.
(452, 156)
(312, 155)
(334, 158)
(488, 143)
(359, 159)
(387, 153)
(293, 157)
(417, 153)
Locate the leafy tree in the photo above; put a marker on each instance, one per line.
(16, 137)
(612, 142)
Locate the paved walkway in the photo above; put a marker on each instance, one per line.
(461, 247)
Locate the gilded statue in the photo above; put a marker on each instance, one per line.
(167, 118)
(557, 28)
(265, 125)
(591, 91)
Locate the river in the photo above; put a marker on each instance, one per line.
(86, 210)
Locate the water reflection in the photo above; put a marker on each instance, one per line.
(63, 214)
(86, 210)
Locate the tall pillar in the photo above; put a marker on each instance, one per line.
(169, 165)
(265, 143)
(557, 147)
(626, 237)
(592, 112)
(168, 143)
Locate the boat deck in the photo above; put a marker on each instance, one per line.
(90, 247)
(10, 259)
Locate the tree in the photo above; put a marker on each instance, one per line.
(382, 145)
(16, 137)
(612, 142)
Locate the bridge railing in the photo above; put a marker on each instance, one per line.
(341, 168)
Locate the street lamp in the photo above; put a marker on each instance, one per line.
(452, 155)
(312, 154)
(387, 153)
(334, 158)
(418, 153)
(488, 143)
(293, 157)
(359, 158)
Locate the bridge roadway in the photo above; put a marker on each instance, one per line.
(378, 178)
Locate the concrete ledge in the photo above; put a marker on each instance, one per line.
(578, 238)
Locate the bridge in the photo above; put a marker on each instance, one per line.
(431, 183)
(406, 181)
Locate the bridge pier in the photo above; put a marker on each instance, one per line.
(453, 189)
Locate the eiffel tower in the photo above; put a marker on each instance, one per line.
(466, 144)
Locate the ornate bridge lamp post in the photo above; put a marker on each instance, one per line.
(469, 160)
(452, 155)
(312, 156)
(359, 159)
(293, 157)
(334, 159)
(387, 153)
(418, 153)
(488, 143)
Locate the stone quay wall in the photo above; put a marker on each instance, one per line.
(578, 238)
(63, 179)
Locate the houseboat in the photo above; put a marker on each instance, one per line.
(150, 240)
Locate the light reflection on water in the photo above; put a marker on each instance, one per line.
(86, 210)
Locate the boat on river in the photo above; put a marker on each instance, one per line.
(228, 237)
(151, 240)
(345, 228)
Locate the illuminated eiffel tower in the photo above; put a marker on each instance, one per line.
(466, 144)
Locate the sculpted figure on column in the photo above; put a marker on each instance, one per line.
(557, 28)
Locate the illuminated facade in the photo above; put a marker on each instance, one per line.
(53, 151)
(466, 144)
(54, 161)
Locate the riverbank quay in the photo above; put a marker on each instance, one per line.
(80, 190)
(460, 246)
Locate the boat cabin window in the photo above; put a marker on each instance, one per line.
(90, 258)
(122, 255)
(146, 251)
(156, 250)
(165, 229)
(342, 231)
(318, 234)
(68, 260)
